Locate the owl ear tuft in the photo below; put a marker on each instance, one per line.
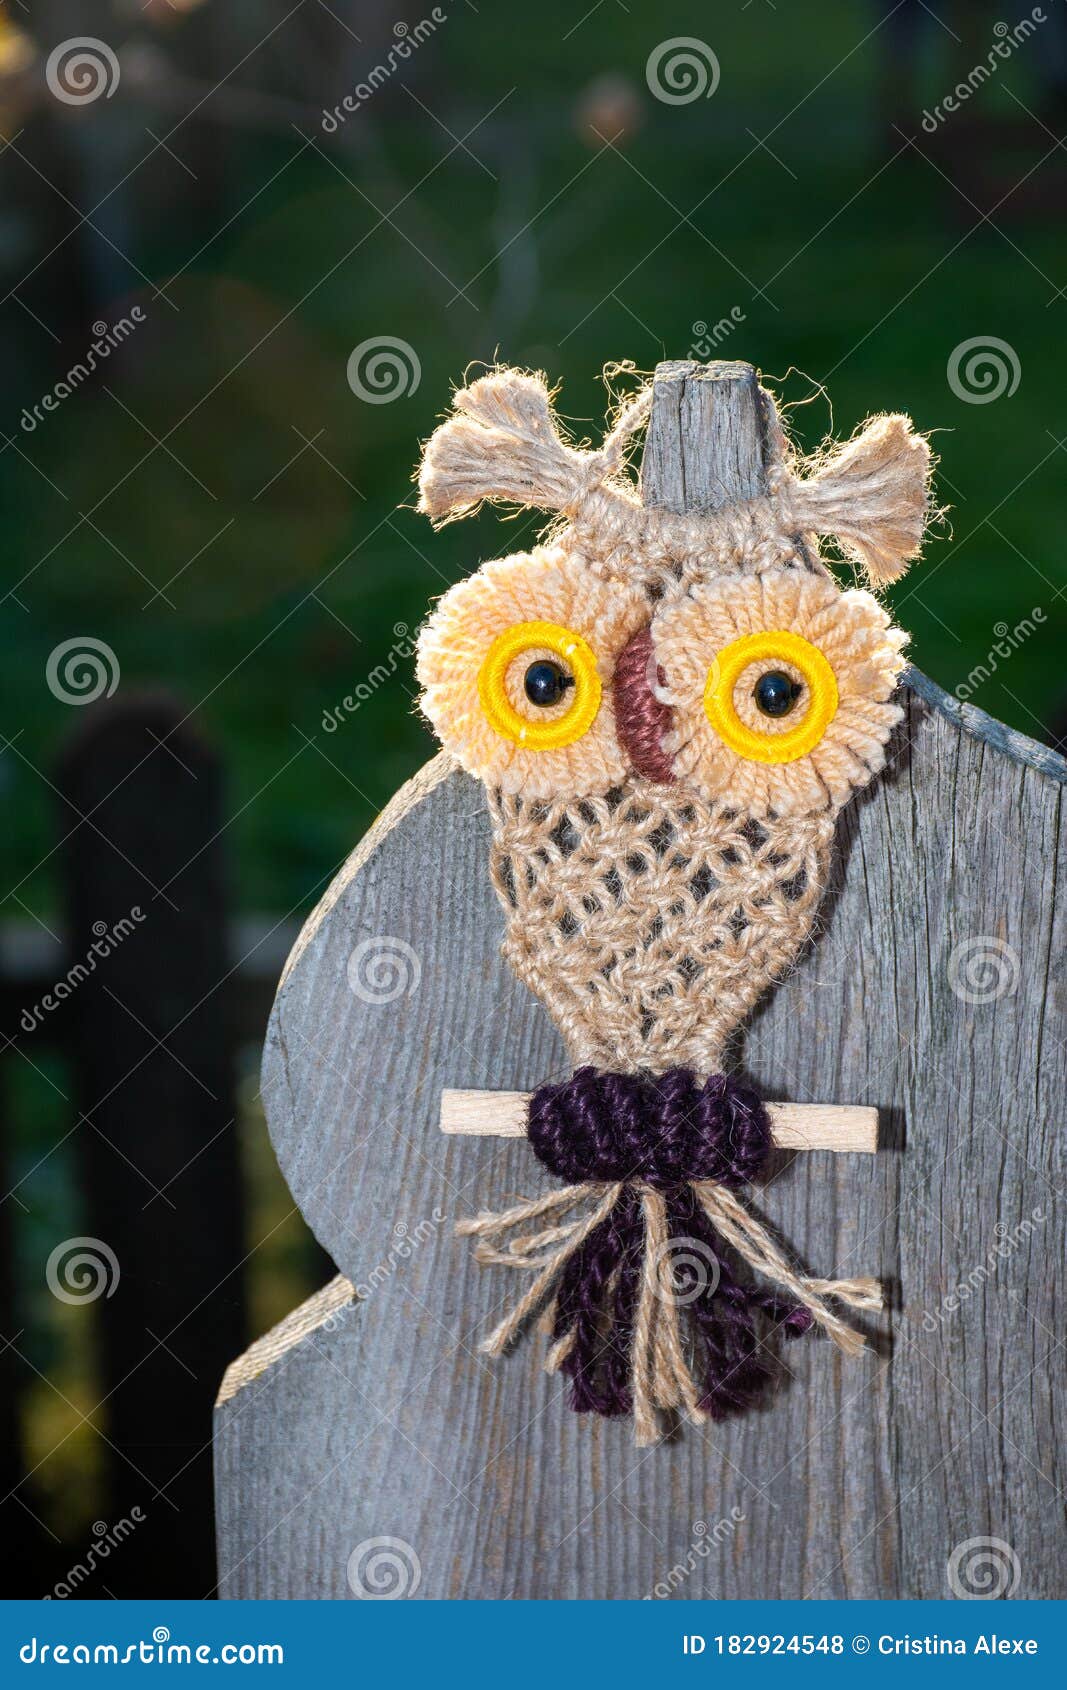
(872, 496)
(502, 443)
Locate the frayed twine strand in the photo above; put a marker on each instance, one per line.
(661, 1374)
(645, 1223)
(503, 442)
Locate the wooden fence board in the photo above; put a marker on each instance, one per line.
(858, 1478)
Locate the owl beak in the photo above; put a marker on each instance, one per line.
(641, 719)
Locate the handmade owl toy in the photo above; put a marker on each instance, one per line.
(667, 713)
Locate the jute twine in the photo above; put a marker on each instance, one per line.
(649, 923)
(661, 1375)
(504, 443)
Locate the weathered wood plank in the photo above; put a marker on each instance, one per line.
(706, 437)
(858, 1479)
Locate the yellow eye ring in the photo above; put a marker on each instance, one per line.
(776, 646)
(501, 714)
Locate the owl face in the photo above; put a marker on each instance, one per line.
(769, 692)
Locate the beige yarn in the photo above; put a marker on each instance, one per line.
(650, 921)
(550, 583)
(660, 1373)
(854, 634)
(650, 918)
(870, 495)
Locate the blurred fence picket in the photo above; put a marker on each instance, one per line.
(366, 1438)
(141, 816)
(150, 1034)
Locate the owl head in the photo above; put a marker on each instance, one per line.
(714, 652)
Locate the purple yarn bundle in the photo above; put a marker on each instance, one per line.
(666, 1131)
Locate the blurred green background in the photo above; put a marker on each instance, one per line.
(221, 508)
(854, 260)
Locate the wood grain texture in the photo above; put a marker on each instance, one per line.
(794, 1126)
(706, 437)
(859, 1478)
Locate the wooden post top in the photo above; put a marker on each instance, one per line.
(707, 440)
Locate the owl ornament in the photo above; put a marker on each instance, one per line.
(667, 713)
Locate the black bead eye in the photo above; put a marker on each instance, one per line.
(775, 693)
(545, 683)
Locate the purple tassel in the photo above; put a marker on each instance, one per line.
(665, 1131)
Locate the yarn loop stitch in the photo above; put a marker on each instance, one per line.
(664, 1129)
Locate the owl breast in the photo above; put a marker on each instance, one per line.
(649, 921)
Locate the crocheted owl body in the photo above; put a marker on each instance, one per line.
(667, 714)
(649, 921)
